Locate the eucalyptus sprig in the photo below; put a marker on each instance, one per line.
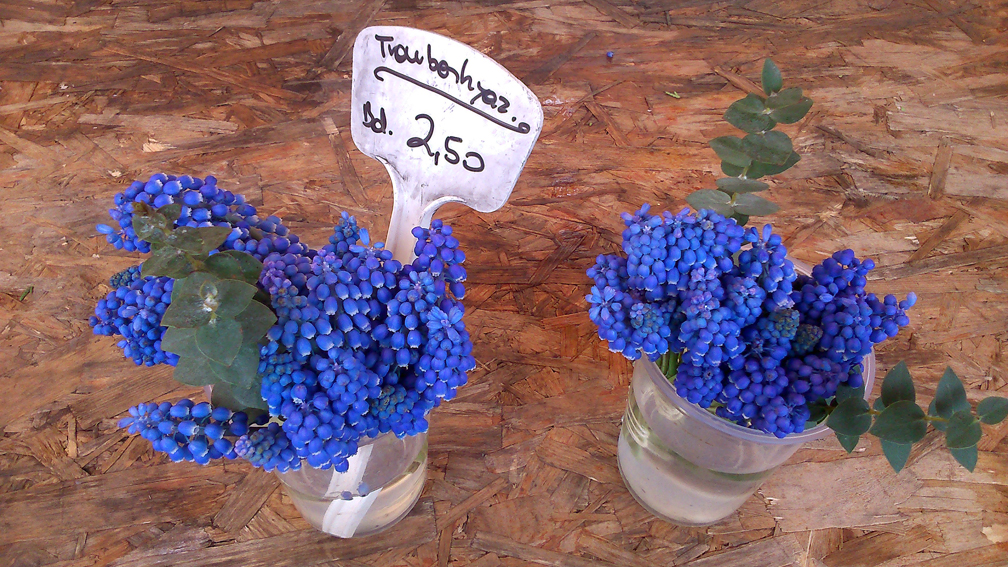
(898, 422)
(217, 314)
(763, 151)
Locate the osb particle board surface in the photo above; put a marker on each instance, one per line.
(905, 157)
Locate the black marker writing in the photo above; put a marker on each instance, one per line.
(398, 51)
(415, 142)
(476, 169)
(377, 125)
(485, 95)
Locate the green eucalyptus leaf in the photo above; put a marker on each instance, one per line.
(792, 113)
(731, 150)
(939, 425)
(171, 212)
(879, 405)
(203, 239)
(234, 265)
(772, 80)
(771, 147)
(900, 422)
(754, 205)
(748, 115)
(740, 185)
(149, 228)
(898, 385)
(963, 430)
(243, 370)
(896, 453)
(713, 199)
(967, 457)
(188, 239)
(180, 341)
(785, 97)
(166, 261)
(848, 442)
(255, 321)
(223, 395)
(851, 417)
(233, 296)
(220, 340)
(187, 309)
(950, 396)
(740, 219)
(194, 371)
(846, 392)
(992, 410)
(731, 170)
(759, 169)
(817, 412)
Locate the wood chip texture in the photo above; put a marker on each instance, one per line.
(904, 160)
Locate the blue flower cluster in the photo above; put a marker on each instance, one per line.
(187, 431)
(363, 345)
(759, 343)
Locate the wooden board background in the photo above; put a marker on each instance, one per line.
(905, 157)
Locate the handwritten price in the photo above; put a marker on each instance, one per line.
(472, 161)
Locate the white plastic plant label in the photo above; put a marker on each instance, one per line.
(343, 516)
(449, 123)
(351, 479)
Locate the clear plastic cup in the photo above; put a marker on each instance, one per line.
(689, 466)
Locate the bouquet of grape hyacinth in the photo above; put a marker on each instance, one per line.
(308, 351)
(756, 342)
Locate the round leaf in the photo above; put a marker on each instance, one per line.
(731, 170)
(713, 199)
(255, 320)
(772, 80)
(730, 149)
(748, 115)
(992, 410)
(740, 185)
(233, 296)
(772, 147)
(242, 373)
(180, 341)
(963, 430)
(898, 385)
(231, 264)
(194, 371)
(851, 417)
(848, 442)
(901, 422)
(754, 205)
(220, 339)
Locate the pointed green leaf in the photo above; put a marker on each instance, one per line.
(739, 185)
(993, 410)
(901, 422)
(950, 396)
(713, 199)
(198, 240)
(896, 453)
(851, 417)
(772, 147)
(180, 341)
(194, 371)
(879, 405)
(848, 442)
(187, 309)
(967, 457)
(963, 430)
(772, 80)
(939, 425)
(898, 385)
(220, 339)
(255, 321)
(759, 169)
(792, 113)
(233, 296)
(748, 115)
(730, 149)
(786, 97)
(754, 205)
